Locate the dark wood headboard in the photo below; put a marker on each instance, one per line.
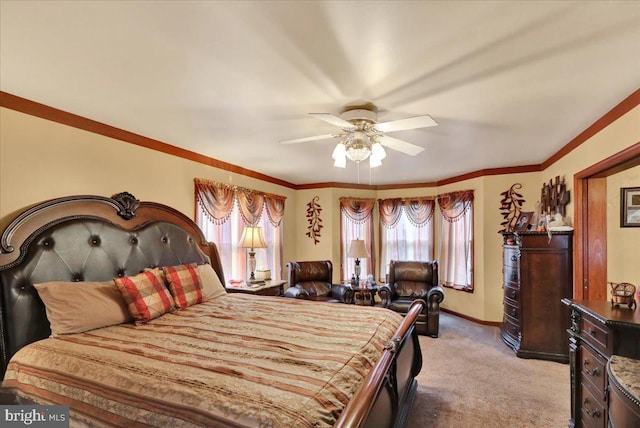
(86, 238)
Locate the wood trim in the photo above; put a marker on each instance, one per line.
(627, 158)
(620, 161)
(42, 111)
(614, 114)
(468, 318)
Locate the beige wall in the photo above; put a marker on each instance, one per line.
(623, 243)
(41, 160)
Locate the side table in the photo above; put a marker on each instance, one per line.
(365, 296)
(269, 288)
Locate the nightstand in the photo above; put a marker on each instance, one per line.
(269, 288)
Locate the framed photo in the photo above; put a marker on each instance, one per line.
(630, 207)
(523, 221)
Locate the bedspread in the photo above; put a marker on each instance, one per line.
(237, 360)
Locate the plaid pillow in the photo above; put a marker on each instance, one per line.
(145, 295)
(184, 284)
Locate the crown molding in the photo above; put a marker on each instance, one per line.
(43, 111)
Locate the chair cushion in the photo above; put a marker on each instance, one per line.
(313, 271)
(411, 289)
(402, 305)
(315, 288)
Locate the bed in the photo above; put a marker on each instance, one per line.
(220, 360)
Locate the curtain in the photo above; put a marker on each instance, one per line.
(456, 240)
(356, 222)
(222, 212)
(406, 230)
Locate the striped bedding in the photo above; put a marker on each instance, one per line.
(237, 360)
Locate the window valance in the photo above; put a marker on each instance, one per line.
(454, 205)
(217, 199)
(419, 210)
(358, 210)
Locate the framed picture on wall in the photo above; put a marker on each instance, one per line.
(630, 207)
(523, 221)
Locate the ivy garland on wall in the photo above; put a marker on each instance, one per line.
(511, 207)
(313, 218)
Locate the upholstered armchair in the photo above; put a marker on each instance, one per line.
(409, 281)
(313, 281)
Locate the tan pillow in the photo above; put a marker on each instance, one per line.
(74, 307)
(211, 284)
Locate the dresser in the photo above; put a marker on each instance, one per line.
(599, 335)
(537, 275)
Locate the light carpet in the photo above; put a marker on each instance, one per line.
(470, 378)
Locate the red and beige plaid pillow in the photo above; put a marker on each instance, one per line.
(145, 295)
(184, 284)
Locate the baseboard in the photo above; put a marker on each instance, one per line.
(475, 320)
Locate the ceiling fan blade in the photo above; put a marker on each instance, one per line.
(306, 139)
(423, 121)
(334, 120)
(400, 145)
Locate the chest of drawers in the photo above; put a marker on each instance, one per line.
(597, 332)
(537, 274)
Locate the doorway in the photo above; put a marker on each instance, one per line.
(590, 255)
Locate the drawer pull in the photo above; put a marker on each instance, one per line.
(595, 372)
(592, 331)
(514, 258)
(513, 294)
(513, 311)
(595, 413)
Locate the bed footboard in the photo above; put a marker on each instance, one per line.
(386, 395)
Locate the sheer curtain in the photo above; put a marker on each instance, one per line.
(406, 230)
(222, 212)
(356, 222)
(456, 240)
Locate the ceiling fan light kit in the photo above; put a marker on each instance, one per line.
(363, 137)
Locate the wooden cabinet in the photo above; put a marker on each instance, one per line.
(598, 332)
(537, 275)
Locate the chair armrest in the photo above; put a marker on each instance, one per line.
(342, 293)
(296, 293)
(434, 297)
(386, 294)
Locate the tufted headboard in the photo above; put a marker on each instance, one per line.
(86, 238)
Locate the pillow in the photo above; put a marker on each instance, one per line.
(145, 295)
(184, 284)
(211, 284)
(74, 307)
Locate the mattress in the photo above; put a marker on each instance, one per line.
(237, 360)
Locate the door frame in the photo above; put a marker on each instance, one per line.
(627, 158)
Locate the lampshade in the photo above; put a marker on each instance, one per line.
(339, 155)
(252, 238)
(357, 249)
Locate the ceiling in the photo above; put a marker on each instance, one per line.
(509, 83)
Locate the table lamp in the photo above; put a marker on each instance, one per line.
(252, 238)
(358, 251)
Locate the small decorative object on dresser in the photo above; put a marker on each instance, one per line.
(623, 293)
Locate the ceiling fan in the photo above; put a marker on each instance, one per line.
(363, 137)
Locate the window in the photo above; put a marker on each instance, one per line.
(406, 231)
(356, 217)
(456, 240)
(222, 211)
